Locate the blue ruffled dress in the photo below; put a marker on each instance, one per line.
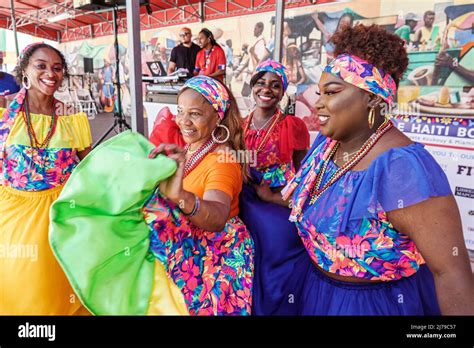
(346, 232)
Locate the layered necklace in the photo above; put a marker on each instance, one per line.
(198, 155)
(207, 57)
(316, 191)
(34, 142)
(276, 117)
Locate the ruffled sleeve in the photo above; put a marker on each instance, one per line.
(396, 179)
(72, 131)
(408, 176)
(294, 136)
(165, 129)
(77, 127)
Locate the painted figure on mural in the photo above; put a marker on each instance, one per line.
(292, 61)
(346, 20)
(407, 30)
(428, 36)
(258, 50)
(108, 89)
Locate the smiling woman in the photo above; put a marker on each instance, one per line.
(279, 143)
(193, 217)
(40, 146)
(374, 210)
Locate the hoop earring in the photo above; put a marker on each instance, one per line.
(25, 83)
(217, 140)
(371, 118)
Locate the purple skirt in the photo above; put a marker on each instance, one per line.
(278, 248)
(414, 295)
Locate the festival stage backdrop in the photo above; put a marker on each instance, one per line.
(436, 104)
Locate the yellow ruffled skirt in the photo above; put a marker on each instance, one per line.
(31, 280)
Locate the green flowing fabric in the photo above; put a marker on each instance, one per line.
(106, 192)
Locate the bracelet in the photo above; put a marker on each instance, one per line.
(197, 204)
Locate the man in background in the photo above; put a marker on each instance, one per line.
(210, 60)
(184, 55)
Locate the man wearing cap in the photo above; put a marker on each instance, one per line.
(184, 55)
(8, 84)
(411, 20)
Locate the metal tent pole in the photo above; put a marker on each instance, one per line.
(135, 54)
(279, 17)
(12, 9)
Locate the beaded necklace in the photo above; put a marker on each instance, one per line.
(262, 127)
(345, 155)
(276, 118)
(198, 155)
(34, 142)
(207, 57)
(316, 192)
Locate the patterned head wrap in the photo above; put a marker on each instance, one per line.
(214, 92)
(273, 66)
(22, 53)
(364, 75)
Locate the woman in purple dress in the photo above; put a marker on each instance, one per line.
(374, 209)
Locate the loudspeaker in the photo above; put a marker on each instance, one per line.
(88, 65)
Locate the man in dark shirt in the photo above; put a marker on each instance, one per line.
(184, 55)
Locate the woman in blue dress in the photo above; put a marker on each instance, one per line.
(278, 143)
(374, 209)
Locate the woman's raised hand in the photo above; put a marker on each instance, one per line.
(172, 187)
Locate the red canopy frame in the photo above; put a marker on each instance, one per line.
(34, 16)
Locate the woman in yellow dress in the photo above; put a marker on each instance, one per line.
(40, 144)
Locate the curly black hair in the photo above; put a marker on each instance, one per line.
(25, 60)
(209, 35)
(374, 44)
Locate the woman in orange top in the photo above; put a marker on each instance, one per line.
(193, 216)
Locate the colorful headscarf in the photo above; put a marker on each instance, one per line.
(273, 66)
(23, 51)
(214, 92)
(362, 74)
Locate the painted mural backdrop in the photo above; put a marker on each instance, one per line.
(435, 98)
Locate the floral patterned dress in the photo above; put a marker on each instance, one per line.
(346, 232)
(30, 180)
(277, 245)
(213, 270)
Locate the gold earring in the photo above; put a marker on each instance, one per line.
(371, 117)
